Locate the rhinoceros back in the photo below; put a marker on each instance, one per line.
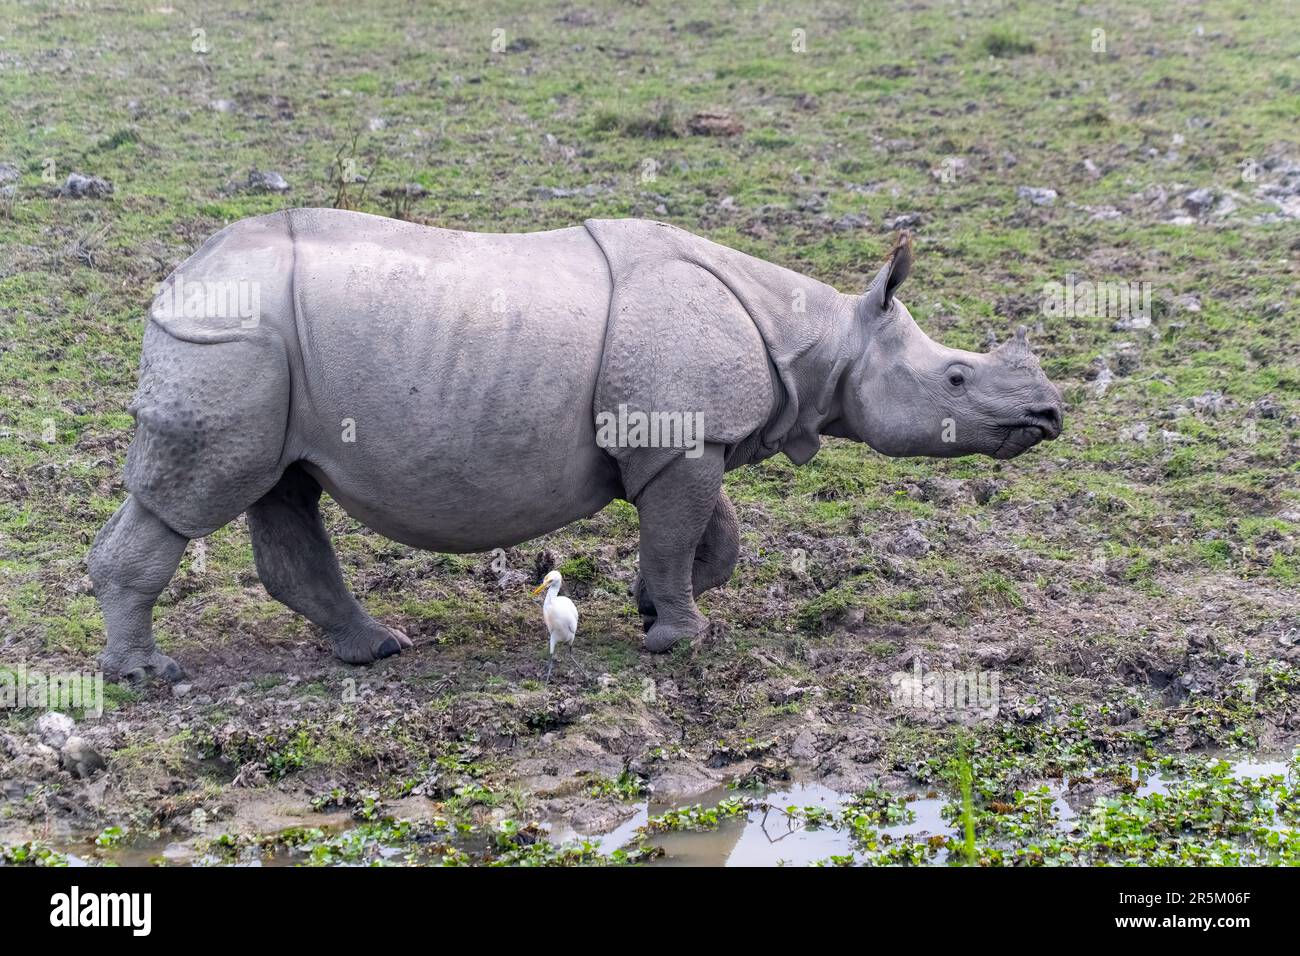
(441, 378)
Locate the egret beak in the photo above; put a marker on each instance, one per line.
(540, 588)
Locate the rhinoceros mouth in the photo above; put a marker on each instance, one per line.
(1020, 438)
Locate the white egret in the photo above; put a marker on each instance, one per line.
(560, 615)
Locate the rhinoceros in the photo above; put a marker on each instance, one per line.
(461, 392)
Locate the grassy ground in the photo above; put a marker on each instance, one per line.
(1134, 583)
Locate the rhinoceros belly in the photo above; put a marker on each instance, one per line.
(443, 381)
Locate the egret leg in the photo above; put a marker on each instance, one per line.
(550, 664)
(573, 659)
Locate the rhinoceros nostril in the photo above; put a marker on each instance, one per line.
(1049, 416)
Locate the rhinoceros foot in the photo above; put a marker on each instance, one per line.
(663, 635)
(136, 668)
(368, 641)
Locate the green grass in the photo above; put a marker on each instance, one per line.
(860, 123)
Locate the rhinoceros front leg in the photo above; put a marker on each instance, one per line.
(715, 559)
(675, 509)
(298, 568)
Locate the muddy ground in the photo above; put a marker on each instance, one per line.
(1133, 586)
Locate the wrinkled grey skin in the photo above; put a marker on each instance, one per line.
(441, 386)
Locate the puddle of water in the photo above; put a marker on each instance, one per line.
(770, 838)
(1241, 770)
(763, 837)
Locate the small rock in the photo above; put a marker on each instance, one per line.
(787, 695)
(38, 760)
(1267, 408)
(993, 655)
(266, 181)
(951, 168)
(8, 172)
(222, 106)
(1036, 195)
(910, 543)
(715, 123)
(1210, 403)
(849, 222)
(1199, 201)
(1127, 359)
(908, 220)
(80, 759)
(985, 489)
(1131, 323)
(804, 746)
(1136, 433)
(180, 690)
(79, 186)
(941, 491)
(54, 728)
(1101, 382)
(1226, 207)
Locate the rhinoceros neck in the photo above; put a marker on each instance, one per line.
(807, 327)
(817, 376)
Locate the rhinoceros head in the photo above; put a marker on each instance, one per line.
(909, 395)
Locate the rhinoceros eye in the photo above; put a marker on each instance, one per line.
(957, 375)
(956, 379)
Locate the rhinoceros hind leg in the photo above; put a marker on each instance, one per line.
(675, 508)
(298, 567)
(715, 560)
(133, 558)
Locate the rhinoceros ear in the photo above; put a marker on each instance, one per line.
(881, 291)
